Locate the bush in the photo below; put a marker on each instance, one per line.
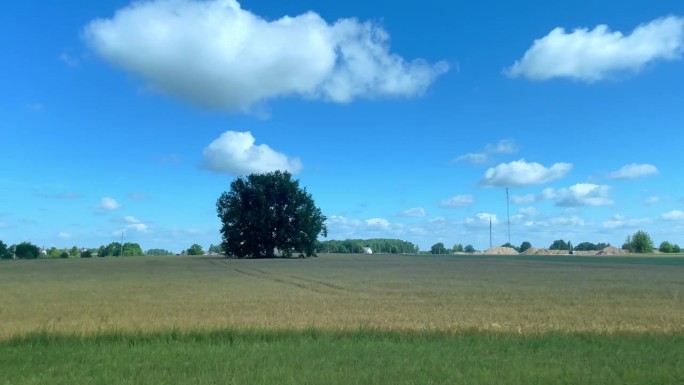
(87, 254)
(665, 247)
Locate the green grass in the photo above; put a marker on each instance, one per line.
(656, 260)
(351, 357)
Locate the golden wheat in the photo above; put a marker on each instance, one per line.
(339, 292)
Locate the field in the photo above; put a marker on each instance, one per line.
(340, 318)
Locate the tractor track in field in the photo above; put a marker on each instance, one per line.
(292, 280)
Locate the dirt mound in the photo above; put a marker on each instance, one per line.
(501, 251)
(535, 251)
(610, 250)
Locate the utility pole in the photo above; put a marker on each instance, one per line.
(508, 214)
(490, 231)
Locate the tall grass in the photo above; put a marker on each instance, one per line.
(368, 356)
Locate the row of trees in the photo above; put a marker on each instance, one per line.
(378, 245)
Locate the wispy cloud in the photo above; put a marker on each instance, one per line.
(634, 171)
(417, 212)
(458, 201)
(505, 146)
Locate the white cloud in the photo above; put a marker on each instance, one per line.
(523, 199)
(620, 221)
(235, 153)
(458, 201)
(634, 171)
(219, 55)
(505, 146)
(109, 204)
(482, 220)
(378, 223)
(63, 235)
(674, 215)
(581, 194)
(651, 200)
(520, 174)
(594, 55)
(68, 60)
(528, 211)
(414, 212)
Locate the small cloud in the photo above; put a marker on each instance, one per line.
(37, 107)
(521, 174)
(458, 201)
(482, 220)
(235, 153)
(138, 196)
(505, 146)
(4, 225)
(109, 204)
(674, 215)
(594, 55)
(650, 201)
(378, 223)
(634, 171)
(68, 60)
(528, 211)
(170, 159)
(63, 235)
(417, 212)
(523, 199)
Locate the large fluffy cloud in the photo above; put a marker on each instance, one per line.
(520, 173)
(634, 171)
(593, 55)
(219, 55)
(235, 153)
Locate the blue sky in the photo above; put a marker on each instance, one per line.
(403, 121)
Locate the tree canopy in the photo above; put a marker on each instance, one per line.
(438, 248)
(26, 250)
(639, 242)
(195, 249)
(263, 213)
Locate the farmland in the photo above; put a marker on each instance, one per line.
(580, 310)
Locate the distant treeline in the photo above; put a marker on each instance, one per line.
(377, 245)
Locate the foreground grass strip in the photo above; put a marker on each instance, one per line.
(352, 357)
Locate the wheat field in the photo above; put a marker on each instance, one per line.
(341, 292)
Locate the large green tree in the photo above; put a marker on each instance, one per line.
(26, 250)
(265, 212)
(639, 242)
(438, 248)
(195, 249)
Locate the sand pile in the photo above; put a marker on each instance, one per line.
(610, 250)
(501, 251)
(535, 251)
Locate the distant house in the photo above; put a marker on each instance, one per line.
(367, 250)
